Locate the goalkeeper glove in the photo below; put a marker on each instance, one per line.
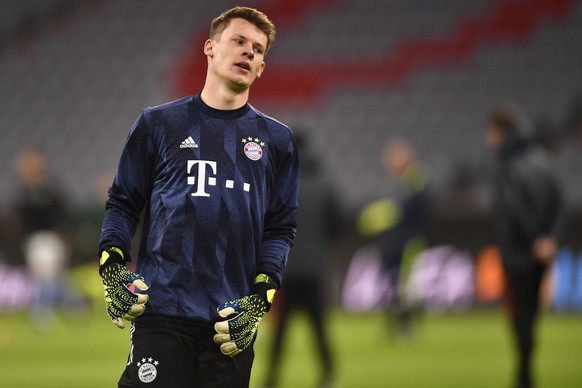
(237, 333)
(120, 301)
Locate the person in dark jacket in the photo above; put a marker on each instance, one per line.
(526, 209)
(41, 218)
(304, 286)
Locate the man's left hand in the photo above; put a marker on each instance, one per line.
(237, 333)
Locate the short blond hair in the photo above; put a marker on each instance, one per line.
(251, 15)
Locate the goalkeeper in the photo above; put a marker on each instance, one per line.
(216, 181)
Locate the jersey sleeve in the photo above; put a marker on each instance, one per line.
(280, 218)
(130, 189)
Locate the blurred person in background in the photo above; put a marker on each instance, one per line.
(573, 120)
(217, 181)
(42, 218)
(527, 217)
(400, 228)
(307, 273)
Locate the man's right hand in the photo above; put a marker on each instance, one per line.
(544, 249)
(120, 301)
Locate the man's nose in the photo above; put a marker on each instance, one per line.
(249, 52)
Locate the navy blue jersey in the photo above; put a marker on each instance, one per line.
(219, 195)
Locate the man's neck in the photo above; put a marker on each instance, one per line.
(223, 98)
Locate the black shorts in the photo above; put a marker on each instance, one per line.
(178, 355)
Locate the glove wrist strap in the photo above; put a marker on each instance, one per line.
(265, 288)
(110, 256)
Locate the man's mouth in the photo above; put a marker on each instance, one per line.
(243, 65)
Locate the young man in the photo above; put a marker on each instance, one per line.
(217, 182)
(527, 217)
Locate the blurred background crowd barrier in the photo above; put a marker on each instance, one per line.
(75, 74)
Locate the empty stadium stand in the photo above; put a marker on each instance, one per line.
(354, 73)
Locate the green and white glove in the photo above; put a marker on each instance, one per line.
(237, 333)
(121, 302)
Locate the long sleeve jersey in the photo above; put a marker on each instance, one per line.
(219, 194)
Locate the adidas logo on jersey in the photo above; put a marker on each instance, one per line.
(189, 143)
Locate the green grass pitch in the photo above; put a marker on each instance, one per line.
(469, 349)
(464, 349)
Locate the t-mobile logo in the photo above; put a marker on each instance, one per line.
(204, 175)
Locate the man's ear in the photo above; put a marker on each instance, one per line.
(261, 69)
(209, 47)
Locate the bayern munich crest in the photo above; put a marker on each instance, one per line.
(253, 148)
(147, 371)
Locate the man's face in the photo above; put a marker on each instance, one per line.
(493, 136)
(397, 156)
(237, 55)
